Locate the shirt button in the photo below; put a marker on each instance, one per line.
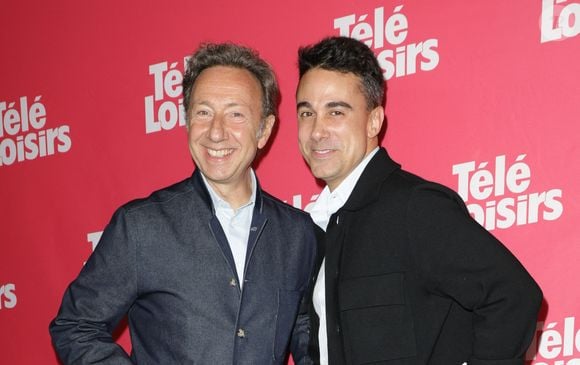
(241, 333)
(233, 282)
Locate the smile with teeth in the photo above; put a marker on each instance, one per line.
(322, 152)
(220, 153)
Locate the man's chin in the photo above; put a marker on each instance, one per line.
(217, 177)
(320, 175)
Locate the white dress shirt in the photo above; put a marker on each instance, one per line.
(236, 224)
(326, 205)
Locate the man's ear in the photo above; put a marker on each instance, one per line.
(266, 130)
(375, 122)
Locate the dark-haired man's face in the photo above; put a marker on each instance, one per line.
(335, 128)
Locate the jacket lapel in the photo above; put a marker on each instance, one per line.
(366, 190)
(259, 221)
(214, 223)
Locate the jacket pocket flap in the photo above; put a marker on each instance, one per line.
(371, 291)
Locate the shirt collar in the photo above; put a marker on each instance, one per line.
(346, 187)
(220, 203)
(329, 202)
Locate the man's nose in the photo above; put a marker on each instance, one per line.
(319, 129)
(217, 130)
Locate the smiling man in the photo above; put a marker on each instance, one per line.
(404, 275)
(211, 270)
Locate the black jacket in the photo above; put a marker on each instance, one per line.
(411, 278)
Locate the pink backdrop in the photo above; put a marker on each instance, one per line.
(483, 97)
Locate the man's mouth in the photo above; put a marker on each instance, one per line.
(320, 152)
(220, 153)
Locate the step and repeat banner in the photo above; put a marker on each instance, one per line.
(483, 96)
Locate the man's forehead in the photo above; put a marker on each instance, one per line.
(224, 76)
(229, 85)
(224, 102)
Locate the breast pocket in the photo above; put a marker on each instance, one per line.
(288, 302)
(376, 322)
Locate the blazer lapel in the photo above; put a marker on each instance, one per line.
(367, 189)
(214, 223)
(259, 221)
(221, 239)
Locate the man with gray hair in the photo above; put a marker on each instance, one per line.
(211, 270)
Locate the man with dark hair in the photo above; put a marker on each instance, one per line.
(405, 275)
(211, 270)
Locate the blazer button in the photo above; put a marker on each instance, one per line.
(337, 329)
(233, 282)
(241, 333)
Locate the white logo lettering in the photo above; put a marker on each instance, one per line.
(93, 238)
(297, 202)
(552, 342)
(498, 198)
(164, 109)
(23, 135)
(559, 22)
(404, 59)
(8, 298)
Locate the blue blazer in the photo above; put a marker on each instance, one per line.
(164, 261)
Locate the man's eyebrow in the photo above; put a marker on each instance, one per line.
(201, 102)
(329, 105)
(338, 104)
(234, 104)
(303, 104)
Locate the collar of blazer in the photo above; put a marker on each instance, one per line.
(367, 188)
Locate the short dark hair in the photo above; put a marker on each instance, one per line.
(346, 55)
(232, 55)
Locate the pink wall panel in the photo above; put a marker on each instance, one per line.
(483, 97)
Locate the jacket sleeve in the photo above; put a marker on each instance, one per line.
(300, 338)
(301, 332)
(461, 260)
(96, 300)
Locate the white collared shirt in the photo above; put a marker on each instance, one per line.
(236, 224)
(326, 205)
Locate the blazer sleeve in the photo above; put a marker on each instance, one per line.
(461, 260)
(97, 299)
(301, 332)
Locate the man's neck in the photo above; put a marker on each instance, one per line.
(235, 194)
(357, 170)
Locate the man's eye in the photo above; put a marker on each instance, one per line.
(305, 114)
(336, 113)
(236, 117)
